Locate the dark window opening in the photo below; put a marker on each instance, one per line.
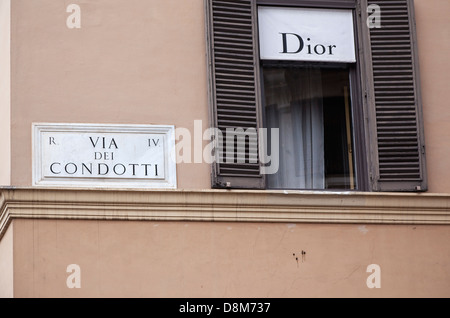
(311, 108)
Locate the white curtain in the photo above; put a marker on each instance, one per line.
(294, 103)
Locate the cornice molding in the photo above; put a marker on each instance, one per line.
(223, 205)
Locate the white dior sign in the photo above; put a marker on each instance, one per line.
(125, 156)
(306, 34)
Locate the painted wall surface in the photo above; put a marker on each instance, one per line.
(133, 62)
(143, 62)
(5, 90)
(7, 265)
(198, 259)
(433, 33)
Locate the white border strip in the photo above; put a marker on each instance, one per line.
(170, 181)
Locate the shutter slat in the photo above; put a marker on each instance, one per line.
(235, 93)
(397, 112)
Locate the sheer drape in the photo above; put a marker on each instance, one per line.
(294, 104)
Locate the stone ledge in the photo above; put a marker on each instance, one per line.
(223, 205)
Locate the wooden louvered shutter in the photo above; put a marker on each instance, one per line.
(234, 89)
(394, 101)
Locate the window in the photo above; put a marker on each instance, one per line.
(310, 106)
(361, 125)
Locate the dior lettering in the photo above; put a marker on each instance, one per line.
(295, 44)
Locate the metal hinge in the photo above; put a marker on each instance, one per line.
(224, 184)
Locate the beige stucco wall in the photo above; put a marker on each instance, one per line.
(7, 265)
(133, 62)
(198, 259)
(5, 92)
(224, 243)
(143, 62)
(433, 32)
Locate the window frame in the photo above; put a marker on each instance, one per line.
(390, 105)
(357, 119)
(356, 91)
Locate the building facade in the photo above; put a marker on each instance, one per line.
(224, 148)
